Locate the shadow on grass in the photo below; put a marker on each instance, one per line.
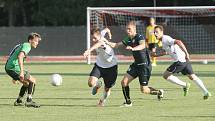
(45, 98)
(62, 105)
(199, 116)
(6, 104)
(80, 105)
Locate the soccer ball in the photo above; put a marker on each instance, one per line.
(205, 61)
(56, 79)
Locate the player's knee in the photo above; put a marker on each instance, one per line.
(25, 83)
(192, 77)
(124, 83)
(90, 84)
(145, 91)
(33, 80)
(165, 76)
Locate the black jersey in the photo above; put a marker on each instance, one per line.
(140, 56)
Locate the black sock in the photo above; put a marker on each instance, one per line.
(22, 91)
(126, 94)
(154, 91)
(30, 90)
(30, 87)
(29, 99)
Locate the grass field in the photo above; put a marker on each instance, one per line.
(73, 101)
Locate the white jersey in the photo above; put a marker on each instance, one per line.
(103, 32)
(173, 49)
(105, 56)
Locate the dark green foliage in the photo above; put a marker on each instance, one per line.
(69, 12)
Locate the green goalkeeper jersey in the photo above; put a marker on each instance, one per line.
(13, 62)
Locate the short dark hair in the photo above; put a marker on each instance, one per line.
(32, 35)
(160, 27)
(95, 30)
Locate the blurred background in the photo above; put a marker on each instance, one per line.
(62, 23)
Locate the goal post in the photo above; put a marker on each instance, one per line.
(194, 25)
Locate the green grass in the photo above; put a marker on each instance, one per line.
(73, 101)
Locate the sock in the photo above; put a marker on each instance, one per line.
(177, 81)
(200, 84)
(29, 98)
(21, 93)
(30, 87)
(30, 90)
(154, 60)
(126, 94)
(105, 95)
(33, 89)
(154, 91)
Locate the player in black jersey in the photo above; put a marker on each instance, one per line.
(141, 67)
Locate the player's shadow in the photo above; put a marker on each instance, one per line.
(63, 105)
(6, 104)
(63, 98)
(80, 105)
(60, 105)
(197, 116)
(45, 98)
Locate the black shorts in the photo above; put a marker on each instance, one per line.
(109, 75)
(153, 45)
(15, 76)
(143, 72)
(184, 67)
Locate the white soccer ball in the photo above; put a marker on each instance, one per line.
(56, 79)
(205, 61)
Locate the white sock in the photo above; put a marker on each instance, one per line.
(105, 95)
(30, 96)
(200, 84)
(176, 80)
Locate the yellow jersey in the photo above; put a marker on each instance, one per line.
(150, 36)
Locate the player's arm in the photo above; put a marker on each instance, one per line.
(159, 53)
(141, 46)
(113, 44)
(95, 46)
(182, 46)
(21, 56)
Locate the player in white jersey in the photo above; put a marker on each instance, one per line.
(105, 66)
(177, 50)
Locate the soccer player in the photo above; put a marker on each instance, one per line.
(177, 50)
(106, 31)
(151, 40)
(15, 69)
(105, 66)
(141, 67)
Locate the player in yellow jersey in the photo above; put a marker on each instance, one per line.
(151, 39)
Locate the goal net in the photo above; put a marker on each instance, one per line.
(195, 26)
